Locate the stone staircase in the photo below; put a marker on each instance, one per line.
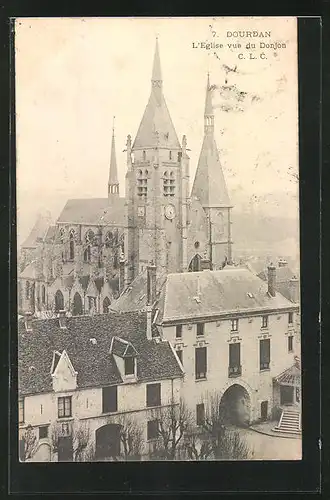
(290, 421)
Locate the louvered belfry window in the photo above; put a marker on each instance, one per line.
(142, 183)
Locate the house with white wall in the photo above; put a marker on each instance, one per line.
(90, 375)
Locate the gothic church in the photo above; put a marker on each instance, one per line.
(98, 247)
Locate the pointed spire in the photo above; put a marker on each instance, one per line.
(156, 69)
(156, 129)
(208, 112)
(113, 184)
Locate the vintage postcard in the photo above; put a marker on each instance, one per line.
(158, 239)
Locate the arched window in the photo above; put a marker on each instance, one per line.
(195, 263)
(77, 307)
(62, 235)
(27, 290)
(43, 294)
(109, 239)
(106, 305)
(87, 254)
(142, 183)
(59, 301)
(71, 244)
(89, 238)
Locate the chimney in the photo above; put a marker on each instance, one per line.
(28, 321)
(151, 284)
(282, 263)
(62, 318)
(149, 322)
(294, 289)
(272, 280)
(121, 272)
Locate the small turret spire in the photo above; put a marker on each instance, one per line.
(156, 77)
(208, 113)
(113, 184)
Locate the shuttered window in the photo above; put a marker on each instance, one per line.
(109, 399)
(153, 395)
(234, 359)
(200, 362)
(264, 354)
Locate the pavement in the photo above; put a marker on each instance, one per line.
(267, 445)
(267, 428)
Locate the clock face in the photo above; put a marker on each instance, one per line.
(169, 212)
(141, 211)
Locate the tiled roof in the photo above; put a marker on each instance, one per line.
(134, 297)
(90, 358)
(211, 293)
(291, 376)
(94, 211)
(84, 281)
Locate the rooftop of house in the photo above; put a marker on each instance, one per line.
(94, 211)
(211, 293)
(134, 297)
(87, 341)
(38, 232)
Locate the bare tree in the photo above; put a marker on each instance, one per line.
(29, 444)
(195, 448)
(80, 437)
(173, 422)
(226, 444)
(131, 437)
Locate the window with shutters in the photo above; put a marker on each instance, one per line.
(109, 399)
(234, 325)
(200, 329)
(290, 343)
(152, 429)
(43, 431)
(153, 395)
(200, 414)
(200, 362)
(235, 368)
(64, 406)
(264, 354)
(178, 331)
(264, 322)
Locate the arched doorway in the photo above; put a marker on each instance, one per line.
(106, 305)
(59, 301)
(235, 405)
(77, 306)
(107, 441)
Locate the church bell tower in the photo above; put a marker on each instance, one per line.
(157, 185)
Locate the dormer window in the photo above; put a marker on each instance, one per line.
(129, 364)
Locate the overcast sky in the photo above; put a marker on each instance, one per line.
(74, 75)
